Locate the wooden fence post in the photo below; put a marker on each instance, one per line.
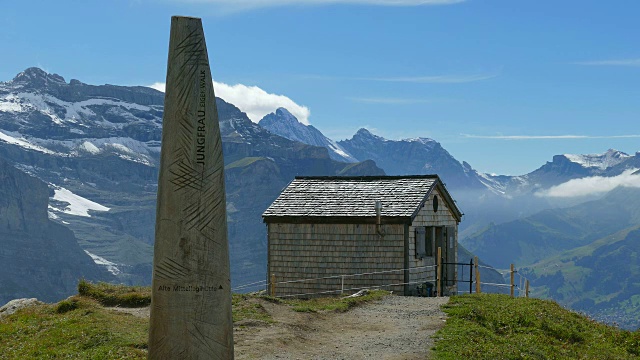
(477, 276)
(439, 272)
(512, 286)
(273, 285)
(526, 287)
(470, 276)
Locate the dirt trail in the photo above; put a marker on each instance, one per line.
(394, 328)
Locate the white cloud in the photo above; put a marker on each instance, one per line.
(254, 101)
(618, 62)
(257, 103)
(160, 86)
(594, 185)
(548, 137)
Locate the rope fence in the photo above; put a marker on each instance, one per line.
(253, 284)
(521, 286)
(264, 285)
(352, 289)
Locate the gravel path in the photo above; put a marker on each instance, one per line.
(395, 328)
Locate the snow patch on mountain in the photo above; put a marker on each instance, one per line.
(600, 161)
(89, 147)
(77, 205)
(333, 146)
(60, 111)
(15, 138)
(126, 148)
(285, 124)
(11, 103)
(51, 214)
(492, 183)
(421, 140)
(121, 147)
(111, 266)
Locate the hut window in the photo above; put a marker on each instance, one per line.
(424, 241)
(421, 242)
(430, 236)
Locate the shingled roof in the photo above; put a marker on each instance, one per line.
(323, 198)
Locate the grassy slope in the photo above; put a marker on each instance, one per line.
(485, 326)
(490, 326)
(88, 331)
(82, 328)
(244, 162)
(599, 278)
(551, 232)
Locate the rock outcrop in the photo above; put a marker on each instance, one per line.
(39, 257)
(17, 304)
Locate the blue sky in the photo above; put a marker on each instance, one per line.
(502, 84)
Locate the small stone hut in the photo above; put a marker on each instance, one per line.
(331, 235)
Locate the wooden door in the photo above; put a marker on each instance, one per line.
(441, 242)
(450, 259)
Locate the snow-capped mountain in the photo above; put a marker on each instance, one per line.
(413, 156)
(599, 161)
(97, 149)
(283, 123)
(426, 156)
(564, 168)
(42, 112)
(397, 157)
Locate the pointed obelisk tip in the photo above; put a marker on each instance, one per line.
(181, 17)
(190, 297)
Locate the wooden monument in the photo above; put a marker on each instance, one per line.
(191, 295)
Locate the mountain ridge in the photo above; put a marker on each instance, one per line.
(93, 143)
(90, 144)
(285, 124)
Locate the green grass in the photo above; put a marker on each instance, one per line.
(243, 162)
(485, 326)
(490, 326)
(116, 295)
(245, 307)
(78, 328)
(336, 304)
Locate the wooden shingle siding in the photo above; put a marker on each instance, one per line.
(326, 196)
(325, 227)
(427, 217)
(310, 251)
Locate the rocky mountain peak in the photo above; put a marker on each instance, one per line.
(365, 136)
(285, 124)
(284, 113)
(364, 132)
(37, 77)
(603, 161)
(281, 118)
